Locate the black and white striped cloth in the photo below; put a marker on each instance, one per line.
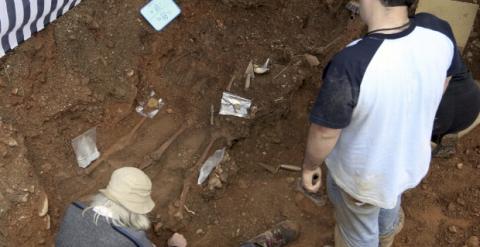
(19, 19)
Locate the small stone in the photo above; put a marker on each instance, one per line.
(14, 91)
(476, 44)
(42, 241)
(48, 222)
(12, 142)
(91, 23)
(312, 60)
(199, 232)
(24, 198)
(43, 208)
(473, 241)
(177, 240)
(130, 72)
(451, 206)
(31, 189)
(169, 110)
(461, 201)
(460, 166)
(290, 180)
(452, 229)
(214, 183)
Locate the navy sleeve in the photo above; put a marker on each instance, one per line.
(457, 67)
(336, 99)
(342, 78)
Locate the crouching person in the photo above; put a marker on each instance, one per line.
(117, 216)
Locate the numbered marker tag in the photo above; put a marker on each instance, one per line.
(160, 12)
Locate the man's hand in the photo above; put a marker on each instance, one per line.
(321, 141)
(312, 179)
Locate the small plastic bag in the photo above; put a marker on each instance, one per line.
(85, 148)
(151, 107)
(235, 105)
(210, 164)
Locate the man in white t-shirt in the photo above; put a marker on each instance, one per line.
(373, 118)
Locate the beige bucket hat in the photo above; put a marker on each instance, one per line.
(131, 188)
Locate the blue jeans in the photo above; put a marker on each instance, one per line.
(360, 224)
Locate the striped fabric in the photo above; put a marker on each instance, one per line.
(19, 19)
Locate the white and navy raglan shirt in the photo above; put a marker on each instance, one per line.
(383, 92)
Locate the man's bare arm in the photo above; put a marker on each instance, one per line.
(320, 143)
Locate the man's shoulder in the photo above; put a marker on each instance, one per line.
(429, 21)
(358, 52)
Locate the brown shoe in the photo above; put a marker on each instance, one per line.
(280, 235)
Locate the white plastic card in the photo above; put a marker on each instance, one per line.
(160, 12)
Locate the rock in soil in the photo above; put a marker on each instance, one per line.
(41, 241)
(452, 229)
(9, 141)
(460, 166)
(473, 241)
(312, 60)
(47, 222)
(451, 206)
(43, 209)
(214, 183)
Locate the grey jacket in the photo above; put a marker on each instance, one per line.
(79, 230)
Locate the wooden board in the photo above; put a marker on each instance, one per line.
(460, 15)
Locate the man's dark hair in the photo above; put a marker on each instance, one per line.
(394, 3)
